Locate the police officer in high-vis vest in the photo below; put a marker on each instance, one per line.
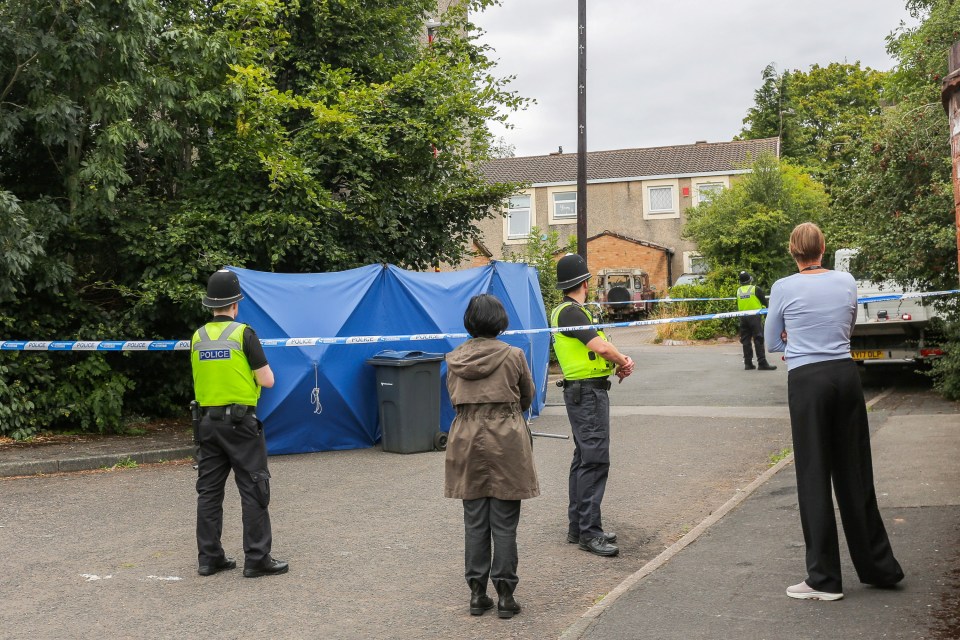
(750, 297)
(229, 369)
(587, 360)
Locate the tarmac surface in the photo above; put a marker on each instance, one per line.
(709, 530)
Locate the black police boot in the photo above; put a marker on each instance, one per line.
(222, 564)
(506, 605)
(766, 366)
(748, 366)
(599, 546)
(479, 600)
(272, 567)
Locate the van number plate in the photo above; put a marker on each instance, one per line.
(870, 354)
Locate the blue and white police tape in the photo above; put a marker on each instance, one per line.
(184, 345)
(665, 300)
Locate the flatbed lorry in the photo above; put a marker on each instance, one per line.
(893, 331)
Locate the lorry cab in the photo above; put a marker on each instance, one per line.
(895, 328)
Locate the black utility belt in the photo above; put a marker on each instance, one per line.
(232, 412)
(599, 383)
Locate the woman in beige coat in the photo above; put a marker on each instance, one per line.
(489, 462)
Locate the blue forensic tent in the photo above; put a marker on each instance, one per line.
(377, 300)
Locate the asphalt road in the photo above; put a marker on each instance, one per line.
(375, 550)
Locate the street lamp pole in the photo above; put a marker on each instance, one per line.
(582, 131)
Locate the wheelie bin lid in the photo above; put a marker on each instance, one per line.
(389, 358)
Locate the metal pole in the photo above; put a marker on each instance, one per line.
(582, 132)
(951, 102)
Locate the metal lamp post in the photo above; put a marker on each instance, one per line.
(582, 131)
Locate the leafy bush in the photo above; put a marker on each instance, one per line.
(712, 287)
(945, 371)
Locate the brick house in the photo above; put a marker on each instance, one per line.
(636, 202)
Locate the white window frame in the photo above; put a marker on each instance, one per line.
(507, 238)
(695, 183)
(673, 212)
(688, 258)
(551, 201)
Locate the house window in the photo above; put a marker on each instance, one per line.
(693, 262)
(707, 190)
(661, 199)
(518, 217)
(565, 205)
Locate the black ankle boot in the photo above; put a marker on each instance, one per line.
(506, 605)
(479, 600)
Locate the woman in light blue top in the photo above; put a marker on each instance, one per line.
(810, 318)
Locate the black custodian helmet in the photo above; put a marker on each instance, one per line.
(223, 289)
(571, 271)
(745, 277)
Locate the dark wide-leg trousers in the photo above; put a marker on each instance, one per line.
(590, 466)
(831, 440)
(483, 519)
(225, 446)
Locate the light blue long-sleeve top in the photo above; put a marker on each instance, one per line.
(818, 312)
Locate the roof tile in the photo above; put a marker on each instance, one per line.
(629, 163)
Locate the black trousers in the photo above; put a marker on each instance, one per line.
(241, 447)
(751, 337)
(483, 519)
(831, 439)
(590, 467)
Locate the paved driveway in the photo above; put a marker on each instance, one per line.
(375, 550)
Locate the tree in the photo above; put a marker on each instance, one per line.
(899, 202)
(822, 115)
(145, 143)
(747, 227)
(542, 251)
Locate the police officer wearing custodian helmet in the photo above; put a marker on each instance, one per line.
(587, 359)
(229, 369)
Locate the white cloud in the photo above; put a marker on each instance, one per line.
(668, 73)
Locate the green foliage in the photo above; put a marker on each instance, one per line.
(822, 115)
(899, 204)
(16, 407)
(945, 371)
(541, 251)
(922, 51)
(717, 285)
(146, 143)
(747, 227)
(125, 463)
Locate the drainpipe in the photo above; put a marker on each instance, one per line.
(950, 94)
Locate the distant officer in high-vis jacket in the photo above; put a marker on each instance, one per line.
(229, 368)
(750, 297)
(587, 359)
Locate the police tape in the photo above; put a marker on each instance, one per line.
(861, 300)
(663, 300)
(184, 345)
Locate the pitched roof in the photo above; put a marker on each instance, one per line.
(702, 157)
(620, 236)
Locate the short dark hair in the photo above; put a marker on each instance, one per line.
(485, 317)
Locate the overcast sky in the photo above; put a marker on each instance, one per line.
(665, 73)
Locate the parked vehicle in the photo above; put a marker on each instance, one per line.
(689, 278)
(890, 331)
(623, 287)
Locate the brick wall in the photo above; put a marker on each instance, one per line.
(610, 252)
